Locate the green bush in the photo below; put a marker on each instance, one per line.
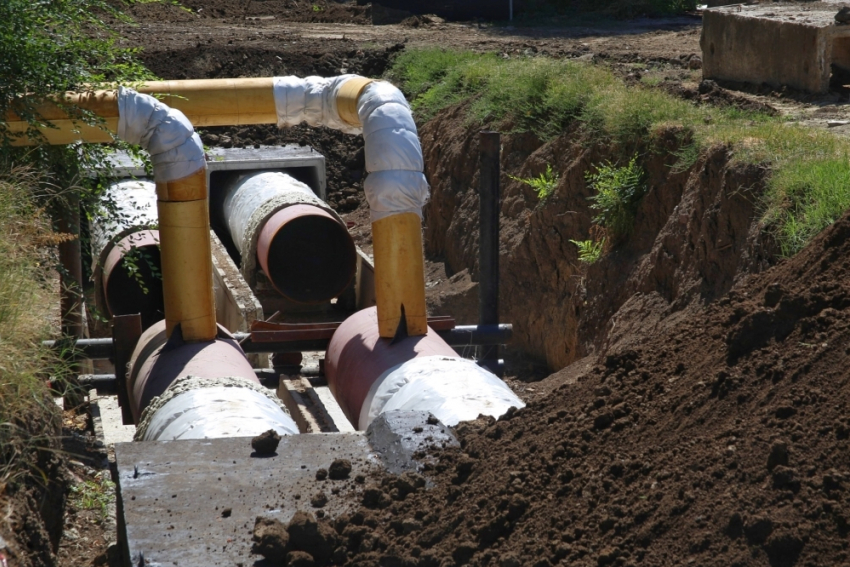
(618, 193)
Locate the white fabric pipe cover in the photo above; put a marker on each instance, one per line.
(168, 136)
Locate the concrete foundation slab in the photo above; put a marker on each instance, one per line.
(794, 45)
(194, 502)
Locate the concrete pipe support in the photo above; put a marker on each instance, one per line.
(369, 375)
(127, 267)
(302, 245)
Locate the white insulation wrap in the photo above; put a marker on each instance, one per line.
(394, 160)
(395, 183)
(452, 389)
(311, 100)
(204, 408)
(168, 136)
(134, 208)
(252, 200)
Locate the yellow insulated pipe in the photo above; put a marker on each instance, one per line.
(205, 102)
(186, 251)
(399, 264)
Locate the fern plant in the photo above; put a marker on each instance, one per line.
(589, 251)
(544, 184)
(618, 192)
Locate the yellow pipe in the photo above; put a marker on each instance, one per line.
(399, 274)
(218, 102)
(66, 130)
(187, 281)
(346, 100)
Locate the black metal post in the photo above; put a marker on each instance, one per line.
(488, 244)
(126, 330)
(71, 292)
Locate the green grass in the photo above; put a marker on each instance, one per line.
(807, 186)
(95, 494)
(29, 420)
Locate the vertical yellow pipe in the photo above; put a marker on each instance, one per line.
(187, 281)
(399, 274)
(397, 244)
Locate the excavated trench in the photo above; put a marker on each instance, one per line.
(650, 448)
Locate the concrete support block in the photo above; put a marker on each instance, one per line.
(789, 45)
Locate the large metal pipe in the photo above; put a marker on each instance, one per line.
(369, 375)
(169, 370)
(302, 245)
(200, 380)
(127, 266)
(395, 186)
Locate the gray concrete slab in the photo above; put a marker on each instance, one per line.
(194, 502)
(786, 44)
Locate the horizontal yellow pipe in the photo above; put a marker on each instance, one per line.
(205, 102)
(218, 102)
(399, 274)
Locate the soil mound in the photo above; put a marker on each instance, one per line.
(719, 440)
(320, 11)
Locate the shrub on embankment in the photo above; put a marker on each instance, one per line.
(809, 171)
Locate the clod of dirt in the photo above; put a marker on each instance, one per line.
(319, 500)
(312, 537)
(778, 455)
(266, 443)
(340, 469)
(270, 539)
(300, 559)
(374, 497)
(321, 474)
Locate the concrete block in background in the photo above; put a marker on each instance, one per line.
(782, 45)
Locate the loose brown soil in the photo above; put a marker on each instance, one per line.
(699, 416)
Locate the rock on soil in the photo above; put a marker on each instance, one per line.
(266, 443)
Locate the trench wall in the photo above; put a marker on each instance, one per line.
(695, 235)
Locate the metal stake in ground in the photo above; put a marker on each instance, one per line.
(488, 244)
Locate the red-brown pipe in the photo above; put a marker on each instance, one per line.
(132, 277)
(158, 361)
(307, 254)
(357, 357)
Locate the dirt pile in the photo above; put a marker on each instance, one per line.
(694, 235)
(721, 440)
(249, 12)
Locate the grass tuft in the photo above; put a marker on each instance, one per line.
(29, 419)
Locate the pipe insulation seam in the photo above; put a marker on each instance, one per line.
(394, 161)
(175, 148)
(453, 389)
(311, 100)
(195, 407)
